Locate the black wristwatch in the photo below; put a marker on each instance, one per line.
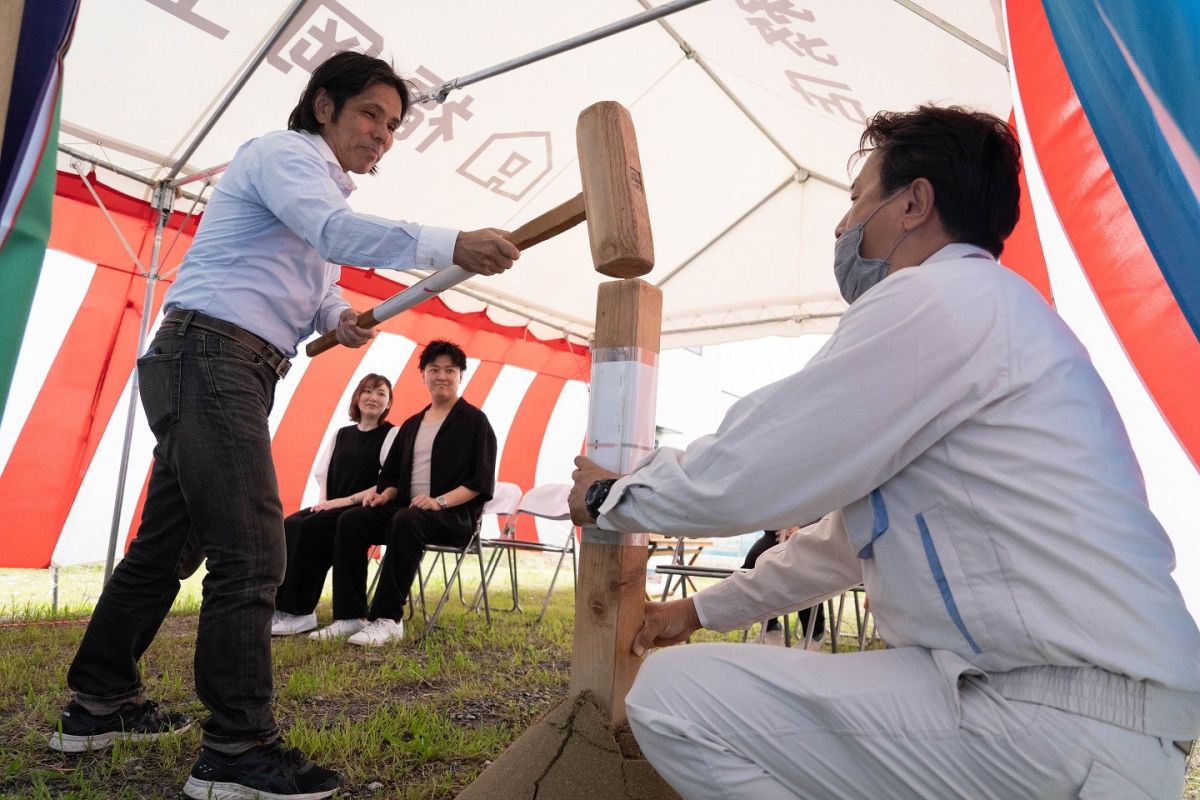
(597, 493)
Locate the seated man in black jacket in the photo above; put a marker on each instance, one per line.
(432, 488)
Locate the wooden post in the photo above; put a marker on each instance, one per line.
(577, 752)
(612, 567)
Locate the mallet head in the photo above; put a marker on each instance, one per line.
(613, 193)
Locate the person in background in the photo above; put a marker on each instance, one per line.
(347, 467)
(431, 490)
(259, 278)
(773, 630)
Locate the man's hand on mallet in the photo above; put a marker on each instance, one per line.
(586, 473)
(349, 333)
(485, 251)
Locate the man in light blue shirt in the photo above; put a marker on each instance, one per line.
(258, 279)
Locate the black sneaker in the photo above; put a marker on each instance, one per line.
(79, 730)
(270, 772)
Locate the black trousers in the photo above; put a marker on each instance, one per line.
(405, 531)
(765, 543)
(309, 538)
(212, 492)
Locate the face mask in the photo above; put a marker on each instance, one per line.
(854, 273)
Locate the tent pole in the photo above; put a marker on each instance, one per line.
(440, 93)
(84, 158)
(797, 178)
(234, 90)
(742, 107)
(163, 201)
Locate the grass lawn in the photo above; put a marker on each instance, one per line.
(414, 720)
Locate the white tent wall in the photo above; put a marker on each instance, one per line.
(41, 385)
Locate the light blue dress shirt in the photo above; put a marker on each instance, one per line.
(269, 246)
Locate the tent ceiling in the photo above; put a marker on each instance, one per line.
(743, 228)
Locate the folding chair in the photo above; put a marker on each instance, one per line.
(505, 497)
(548, 501)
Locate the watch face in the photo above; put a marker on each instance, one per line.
(596, 494)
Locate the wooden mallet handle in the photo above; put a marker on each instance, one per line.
(539, 229)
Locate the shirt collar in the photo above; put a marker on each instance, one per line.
(956, 250)
(339, 175)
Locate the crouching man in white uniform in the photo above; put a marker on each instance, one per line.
(973, 473)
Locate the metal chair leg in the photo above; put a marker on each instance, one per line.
(446, 590)
(487, 607)
(513, 582)
(553, 580)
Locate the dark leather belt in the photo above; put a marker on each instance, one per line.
(183, 319)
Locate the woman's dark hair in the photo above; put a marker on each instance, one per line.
(440, 347)
(369, 382)
(971, 158)
(342, 76)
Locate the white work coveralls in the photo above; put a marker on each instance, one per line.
(978, 479)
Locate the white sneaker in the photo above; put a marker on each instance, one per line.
(286, 624)
(339, 629)
(378, 633)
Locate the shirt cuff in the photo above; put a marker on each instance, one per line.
(435, 247)
(333, 315)
(719, 607)
(610, 502)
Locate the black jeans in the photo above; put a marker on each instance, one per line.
(309, 556)
(405, 531)
(213, 483)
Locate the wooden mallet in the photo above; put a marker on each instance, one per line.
(574, 739)
(613, 201)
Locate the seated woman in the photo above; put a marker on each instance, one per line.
(348, 465)
(431, 490)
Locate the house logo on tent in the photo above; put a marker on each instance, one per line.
(510, 164)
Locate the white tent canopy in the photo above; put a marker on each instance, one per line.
(746, 112)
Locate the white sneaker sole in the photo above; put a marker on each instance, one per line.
(215, 790)
(69, 743)
(323, 635)
(373, 642)
(293, 631)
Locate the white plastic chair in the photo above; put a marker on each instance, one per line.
(505, 497)
(548, 501)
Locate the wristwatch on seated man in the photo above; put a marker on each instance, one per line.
(596, 494)
(441, 501)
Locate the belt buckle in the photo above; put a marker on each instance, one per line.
(281, 369)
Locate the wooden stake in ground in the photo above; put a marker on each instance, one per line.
(610, 595)
(575, 752)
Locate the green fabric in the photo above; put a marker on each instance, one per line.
(21, 260)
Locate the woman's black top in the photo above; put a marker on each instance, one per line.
(354, 463)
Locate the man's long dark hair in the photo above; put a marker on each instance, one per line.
(342, 76)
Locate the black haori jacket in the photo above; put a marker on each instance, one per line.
(464, 454)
